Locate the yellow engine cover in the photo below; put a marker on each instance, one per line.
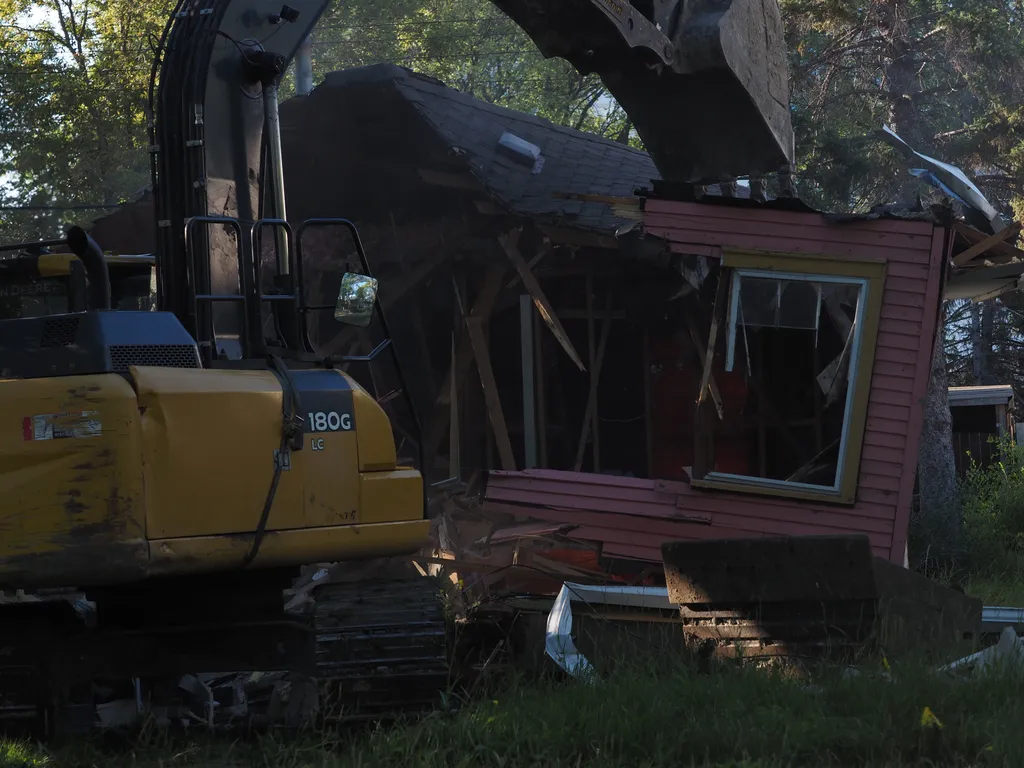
(107, 479)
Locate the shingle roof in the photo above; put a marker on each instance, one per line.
(574, 161)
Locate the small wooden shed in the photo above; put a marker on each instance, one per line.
(981, 416)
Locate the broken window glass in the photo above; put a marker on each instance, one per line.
(791, 346)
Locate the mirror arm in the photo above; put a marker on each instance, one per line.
(363, 358)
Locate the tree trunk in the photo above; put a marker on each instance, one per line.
(936, 467)
(976, 347)
(988, 321)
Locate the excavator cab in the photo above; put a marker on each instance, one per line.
(37, 280)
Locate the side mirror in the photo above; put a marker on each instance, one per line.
(356, 299)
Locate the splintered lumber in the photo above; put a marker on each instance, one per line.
(509, 242)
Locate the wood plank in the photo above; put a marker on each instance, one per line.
(542, 396)
(590, 416)
(979, 248)
(491, 397)
(509, 242)
(716, 395)
(483, 305)
(718, 311)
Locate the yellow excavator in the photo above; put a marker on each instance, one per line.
(177, 464)
(174, 466)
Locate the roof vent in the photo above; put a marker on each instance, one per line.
(521, 151)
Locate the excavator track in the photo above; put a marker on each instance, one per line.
(382, 648)
(382, 651)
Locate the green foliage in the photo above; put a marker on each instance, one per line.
(472, 46)
(994, 514)
(946, 76)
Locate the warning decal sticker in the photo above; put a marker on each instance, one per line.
(58, 426)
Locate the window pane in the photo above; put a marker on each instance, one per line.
(793, 349)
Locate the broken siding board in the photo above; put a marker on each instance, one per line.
(754, 242)
(702, 229)
(657, 208)
(619, 528)
(639, 503)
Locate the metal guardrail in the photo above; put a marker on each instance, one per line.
(994, 618)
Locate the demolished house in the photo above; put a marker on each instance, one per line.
(618, 361)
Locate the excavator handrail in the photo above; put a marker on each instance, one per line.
(211, 298)
(403, 380)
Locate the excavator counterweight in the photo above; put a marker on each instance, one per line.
(704, 82)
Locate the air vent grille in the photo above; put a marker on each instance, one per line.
(59, 332)
(162, 355)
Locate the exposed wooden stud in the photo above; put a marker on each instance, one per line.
(648, 403)
(721, 296)
(590, 417)
(509, 242)
(529, 396)
(516, 279)
(454, 458)
(716, 396)
(979, 248)
(497, 417)
(542, 399)
(483, 305)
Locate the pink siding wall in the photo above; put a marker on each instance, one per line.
(633, 516)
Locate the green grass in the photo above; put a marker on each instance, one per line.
(1005, 589)
(638, 719)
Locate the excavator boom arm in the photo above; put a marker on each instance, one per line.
(214, 89)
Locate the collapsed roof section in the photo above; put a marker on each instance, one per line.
(522, 161)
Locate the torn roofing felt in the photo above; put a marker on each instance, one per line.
(573, 161)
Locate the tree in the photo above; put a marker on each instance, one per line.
(73, 79)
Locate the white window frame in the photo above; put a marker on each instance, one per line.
(863, 284)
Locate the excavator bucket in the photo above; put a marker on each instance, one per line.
(823, 596)
(705, 82)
